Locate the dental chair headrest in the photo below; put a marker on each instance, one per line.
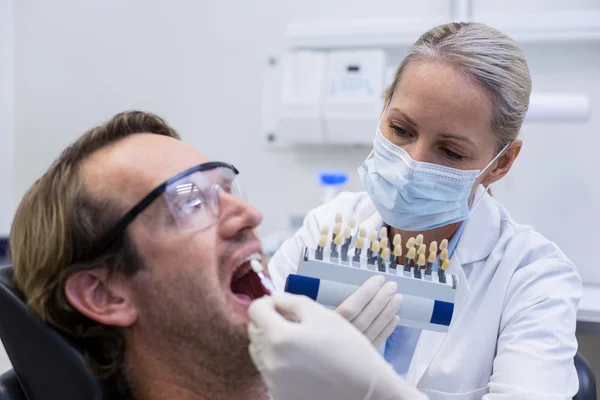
(48, 363)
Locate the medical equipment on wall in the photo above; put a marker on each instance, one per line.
(333, 270)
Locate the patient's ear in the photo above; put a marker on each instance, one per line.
(102, 298)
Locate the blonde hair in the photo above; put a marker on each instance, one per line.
(487, 56)
(57, 224)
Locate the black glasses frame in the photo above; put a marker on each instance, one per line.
(112, 235)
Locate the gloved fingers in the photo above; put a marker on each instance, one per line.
(375, 307)
(386, 332)
(256, 346)
(354, 305)
(263, 315)
(294, 306)
(254, 332)
(384, 318)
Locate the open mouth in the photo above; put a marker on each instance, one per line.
(245, 283)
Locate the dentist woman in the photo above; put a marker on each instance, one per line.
(449, 128)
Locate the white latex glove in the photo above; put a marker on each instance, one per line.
(320, 356)
(372, 309)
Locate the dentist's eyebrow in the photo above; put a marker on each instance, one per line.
(444, 135)
(458, 137)
(406, 117)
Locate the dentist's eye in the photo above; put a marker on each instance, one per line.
(399, 131)
(451, 154)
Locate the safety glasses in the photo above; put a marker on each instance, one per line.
(192, 197)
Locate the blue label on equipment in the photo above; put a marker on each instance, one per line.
(302, 285)
(442, 313)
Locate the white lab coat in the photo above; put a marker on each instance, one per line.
(513, 331)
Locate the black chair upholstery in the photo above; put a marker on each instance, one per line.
(587, 379)
(10, 389)
(47, 363)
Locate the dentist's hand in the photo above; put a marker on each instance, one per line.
(320, 356)
(372, 309)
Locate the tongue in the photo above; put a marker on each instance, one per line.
(248, 286)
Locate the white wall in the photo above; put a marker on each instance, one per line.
(6, 129)
(6, 115)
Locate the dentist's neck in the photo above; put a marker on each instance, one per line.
(437, 234)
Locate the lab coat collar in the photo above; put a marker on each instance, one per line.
(481, 232)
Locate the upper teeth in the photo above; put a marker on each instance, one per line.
(245, 267)
(253, 256)
(241, 272)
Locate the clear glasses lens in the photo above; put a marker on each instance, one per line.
(194, 200)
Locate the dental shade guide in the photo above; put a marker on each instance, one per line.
(349, 229)
(360, 244)
(410, 255)
(410, 243)
(433, 247)
(321, 247)
(337, 228)
(383, 242)
(442, 271)
(429, 265)
(372, 238)
(383, 259)
(339, 239)
(443, 256)
(374, 255)
(330, 276)
(420, 265)
(444, 244)
(325, 230)
(362, 233)
(347, 239)
(395, 258)
(444, 264)
(419, 241)
(408, 261)
(383, 233)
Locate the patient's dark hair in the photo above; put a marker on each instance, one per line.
(56, 226)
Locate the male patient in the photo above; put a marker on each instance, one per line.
(158, 295)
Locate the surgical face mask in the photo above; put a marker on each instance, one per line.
(412, 195)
